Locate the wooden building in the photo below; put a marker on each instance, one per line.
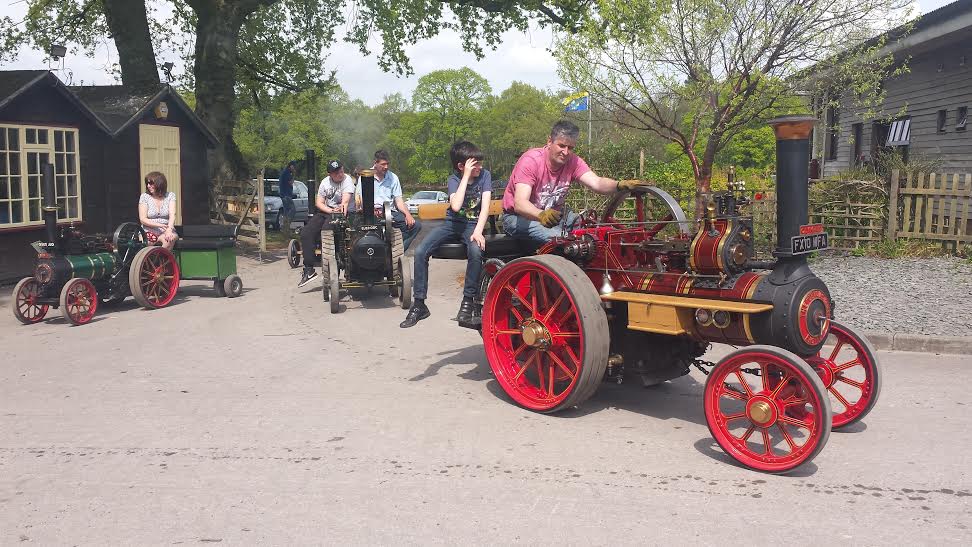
(925, 110)
(102, 141)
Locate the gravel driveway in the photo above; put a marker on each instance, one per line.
(930, 296)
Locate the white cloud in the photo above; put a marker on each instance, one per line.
(521, 57)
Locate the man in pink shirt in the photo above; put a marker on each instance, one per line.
(534, 198)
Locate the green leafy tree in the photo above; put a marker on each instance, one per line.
(298, 121)
(752, 148)
(698, 72)
(519, 118)
(448, 107)
(270, 44)
(83, 24)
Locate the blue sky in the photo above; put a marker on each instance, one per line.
(521, 57)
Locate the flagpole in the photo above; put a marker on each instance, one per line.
(590, 152)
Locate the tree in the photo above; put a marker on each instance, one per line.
(299, 121)
(697, 72)
(519, 118)
(85, 23)
(232, 48)
(454, 97)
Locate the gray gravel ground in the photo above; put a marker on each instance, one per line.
(931, 296)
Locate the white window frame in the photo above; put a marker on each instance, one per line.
(62, 172)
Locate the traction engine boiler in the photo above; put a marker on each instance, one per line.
(641, 298)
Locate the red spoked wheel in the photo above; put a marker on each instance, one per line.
(79, 301)
(154, 277)
(545, 333)
(850, 374)
(767, 408)
(25, 306)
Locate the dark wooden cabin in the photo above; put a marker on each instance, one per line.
(103, 140)
(929, 103)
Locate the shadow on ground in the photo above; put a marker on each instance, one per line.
(471, 356)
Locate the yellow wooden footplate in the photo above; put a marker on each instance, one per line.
(674, 315)
(437, 211)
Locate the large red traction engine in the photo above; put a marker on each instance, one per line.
(641, 299)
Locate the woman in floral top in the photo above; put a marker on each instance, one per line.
(157, 212)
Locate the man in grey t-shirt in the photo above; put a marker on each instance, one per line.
(332, 197)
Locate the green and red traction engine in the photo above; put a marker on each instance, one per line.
(75, 273)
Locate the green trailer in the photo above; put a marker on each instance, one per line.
(207, 252)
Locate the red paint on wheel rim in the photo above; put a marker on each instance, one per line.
(539, 369)
(773, 422)
(27, 309)
(81, 301)
(159, 277)
(849, 372)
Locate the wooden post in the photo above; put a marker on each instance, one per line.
(261, 216)
(893, 207)
(641, 165)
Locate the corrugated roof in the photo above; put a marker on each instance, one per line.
(14, 83)
(114, 104)
(119, 108)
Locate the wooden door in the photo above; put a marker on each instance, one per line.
(159, 147)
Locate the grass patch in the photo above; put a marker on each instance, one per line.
(276, 240)
(902, 248)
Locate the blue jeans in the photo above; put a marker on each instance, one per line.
(448, 232)
(524, 228)
(287, 208)
(408, 234)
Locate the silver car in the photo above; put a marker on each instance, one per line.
(273, 203)
(424, 197)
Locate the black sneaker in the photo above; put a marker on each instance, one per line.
(466, 310)
(306, 277)
(416, 313)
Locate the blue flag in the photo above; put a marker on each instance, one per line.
(578, 102)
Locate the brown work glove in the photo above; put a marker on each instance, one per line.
(549, 217)
(631, 184)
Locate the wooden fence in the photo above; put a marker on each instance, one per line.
(240, 203)
(935, 207)
(932, 206)
(849, 223)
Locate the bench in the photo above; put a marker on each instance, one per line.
(498, 244)
(206, 236)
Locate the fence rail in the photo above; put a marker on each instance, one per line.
(240, 203)
(850, 224)
(933, 206)
(923, 206)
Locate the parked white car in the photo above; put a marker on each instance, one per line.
(273, 203)
(423, 197)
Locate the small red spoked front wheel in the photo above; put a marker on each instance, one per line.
(849, 371)
(767, 408)
(545, 333)
(79, 301)
(26, 307)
